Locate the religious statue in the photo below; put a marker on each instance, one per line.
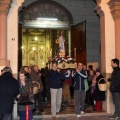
(61, 43)
(60, 40)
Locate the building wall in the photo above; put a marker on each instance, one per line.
(82, 10)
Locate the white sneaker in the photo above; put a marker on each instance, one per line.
(78, 116)
(82, 112)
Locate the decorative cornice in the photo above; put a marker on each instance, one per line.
(114, 6)
(99, 11)
(5, 6)
(46, 8)
(98, 2)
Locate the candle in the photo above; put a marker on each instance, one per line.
(75, 53)
(51, 53)
(70, 53)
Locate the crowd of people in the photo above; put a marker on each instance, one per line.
(57, 87)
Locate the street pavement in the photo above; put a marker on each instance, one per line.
(86, 116)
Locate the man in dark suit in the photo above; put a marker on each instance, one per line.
(115, 88)
(9, 89)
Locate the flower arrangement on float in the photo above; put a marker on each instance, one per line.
(60, 59)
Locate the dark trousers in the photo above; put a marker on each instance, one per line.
(89, 99)
(40, 101)
(48, 93)
(5, 116)
(22, 115)
(79, 97)
(116, 102)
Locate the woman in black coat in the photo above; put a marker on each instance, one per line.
(97, 95)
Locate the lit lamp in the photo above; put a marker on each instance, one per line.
(22, 47)
(33, 48)
(47, 19)
(36, 38)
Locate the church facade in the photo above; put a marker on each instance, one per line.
(102, 38)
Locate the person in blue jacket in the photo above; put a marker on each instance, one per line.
(55, 78)
(79, 89)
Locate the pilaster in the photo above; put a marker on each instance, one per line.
(107, 35)
(115, 11)
(4, 8)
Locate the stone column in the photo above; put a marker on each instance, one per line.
(12, 35)
(115, 11)
(4, 8)
(107, 34)
(12, 41)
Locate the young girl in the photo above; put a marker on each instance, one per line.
(24, 104)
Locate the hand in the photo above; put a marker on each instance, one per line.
(18, 96)
(77, 70)
(22, 82)
(39, 74)
(58, 70)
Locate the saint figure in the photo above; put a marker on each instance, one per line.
(61, 43)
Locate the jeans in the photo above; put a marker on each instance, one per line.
(5, 116)
(22, 115)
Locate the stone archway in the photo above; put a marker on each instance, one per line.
(12, 28)
(45, 9)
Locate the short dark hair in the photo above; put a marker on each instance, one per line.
(7, 69)
(54, 62)
(91, 67)
(115, 60)
(22, 72)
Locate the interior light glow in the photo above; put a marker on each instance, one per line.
(22, 47)
(36, 38)
(51, 19)
(33, 48)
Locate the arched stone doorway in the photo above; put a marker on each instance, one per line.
(29, 25)
(32, 20)
(45, 9)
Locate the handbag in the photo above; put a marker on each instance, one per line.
(86, 84)
(24, 97)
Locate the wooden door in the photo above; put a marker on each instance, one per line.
(19, 46)
(78, 41)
